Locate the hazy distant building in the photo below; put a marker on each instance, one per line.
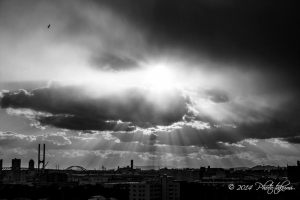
(128, 169)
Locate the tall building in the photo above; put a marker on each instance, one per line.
(170, 188)
(131, 164)
(31, 165)
(16, 164)
(16, 169)
(1, 164)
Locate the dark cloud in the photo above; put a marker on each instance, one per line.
(217, 96)
(208, 138)
(295, 140)
(264, 30)
(82, 123)
(285, 127)
(71, 108)
(260, 37)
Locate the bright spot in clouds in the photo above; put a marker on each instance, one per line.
(159, 78)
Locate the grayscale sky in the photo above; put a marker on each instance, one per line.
(175, 83)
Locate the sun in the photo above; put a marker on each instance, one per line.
(159, 78)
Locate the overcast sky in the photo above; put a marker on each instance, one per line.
(175, 83)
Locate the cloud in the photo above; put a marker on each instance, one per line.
(277, 141)
(52, 140)
(115, 63)
(16, 136)
(18, 151)
(251, 141)
(217, 96)
(147, 156)
(110, 153)
(172, 157)
(69, 107)
(135, 115)
(82, 123)
(295, 140)
(57, 138)
(73, 153)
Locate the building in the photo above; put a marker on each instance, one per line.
(131, 164)
(90, 179)
(170, 188)
(145, 191)
(16, 169)
(31, 165)
(294, 173)
(127, 169)
(16, 164)
(53, 177)
(187, 175)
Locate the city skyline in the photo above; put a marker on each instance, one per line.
(169, 83)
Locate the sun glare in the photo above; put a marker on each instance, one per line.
(159, 78)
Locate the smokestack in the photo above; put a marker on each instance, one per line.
(44, 156)
(1, 163)
(131, 164)
(39, 156)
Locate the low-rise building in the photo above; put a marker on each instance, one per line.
(145, 191)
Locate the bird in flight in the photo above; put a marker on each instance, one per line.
(49, 26)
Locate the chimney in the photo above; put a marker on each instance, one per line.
(39, 156)
(298, 163)
(44, 156)
(131, 164)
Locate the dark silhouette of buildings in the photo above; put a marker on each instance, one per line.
(16, 169)
(294, 173)
(31, 165)
(16, 164)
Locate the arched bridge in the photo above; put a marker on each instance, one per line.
(76, 168)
